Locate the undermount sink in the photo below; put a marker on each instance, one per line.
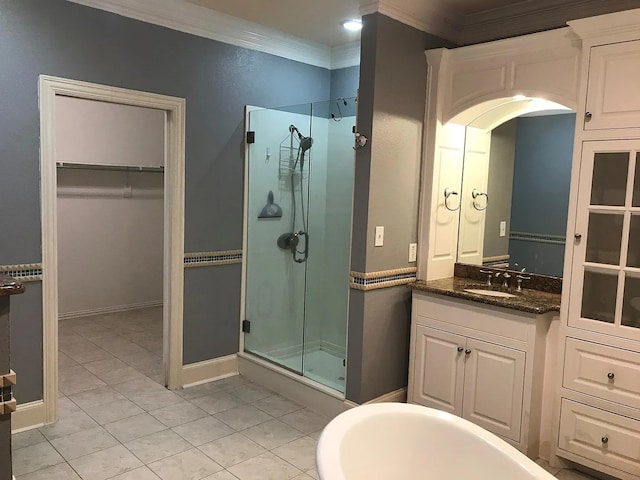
(489, 293)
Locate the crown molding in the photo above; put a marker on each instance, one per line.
(435, 21)
(559, 40)
(605, 25)
(347, 55)
(204, 22)
(526, 17)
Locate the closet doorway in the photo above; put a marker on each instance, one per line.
(112, 167)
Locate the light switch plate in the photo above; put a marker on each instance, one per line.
(379, 240)
(413, 252)
(503, 228)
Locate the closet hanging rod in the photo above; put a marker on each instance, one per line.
(121, 168)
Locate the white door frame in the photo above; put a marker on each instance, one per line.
(173, 270)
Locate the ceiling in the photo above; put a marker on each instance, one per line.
(460, 21)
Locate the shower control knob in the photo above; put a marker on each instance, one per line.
(604, 440)
(460, 349)
(611, 375)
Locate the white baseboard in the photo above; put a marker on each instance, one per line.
(399, 395)
(299, 389)
(209, 370)
(27, 416)
(105, 310)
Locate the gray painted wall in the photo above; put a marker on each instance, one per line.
(211, 312)
(500, 187)
(5, 420)
(344, 83)
(378, 351)
(26, 342)
(391, 113)
(56, 37)
(4, 335)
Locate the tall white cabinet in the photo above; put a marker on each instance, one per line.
(597, 408)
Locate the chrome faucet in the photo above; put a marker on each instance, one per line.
(506, 276)
(489, 275)
(520, 278)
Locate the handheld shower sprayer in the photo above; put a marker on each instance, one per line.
(291, 240)
(305, 143)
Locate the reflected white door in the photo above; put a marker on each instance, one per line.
(474, 198)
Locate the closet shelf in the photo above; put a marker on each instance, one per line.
(121, 168)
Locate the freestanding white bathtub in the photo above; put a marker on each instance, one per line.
(398, 441)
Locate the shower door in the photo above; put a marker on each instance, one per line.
(299, 185)
(275, 282)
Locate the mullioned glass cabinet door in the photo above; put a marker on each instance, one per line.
(605, 286)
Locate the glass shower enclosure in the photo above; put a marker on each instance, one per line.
(299, 183)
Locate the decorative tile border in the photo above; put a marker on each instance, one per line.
(383, 279)
(207, 259)
(537, 237)
(25, 272)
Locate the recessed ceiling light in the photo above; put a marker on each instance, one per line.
(352, 25)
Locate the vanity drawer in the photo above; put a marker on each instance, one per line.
(605, 372)
(601, 436)
(466, 314)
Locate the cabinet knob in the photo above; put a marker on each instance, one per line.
(460, 349)
(611, 375)
(588, 115)
(578, 237)
(467, 351)
(604, 440)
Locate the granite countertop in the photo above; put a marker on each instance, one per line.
(531, 301)
(10, 286)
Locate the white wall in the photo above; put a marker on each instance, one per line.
(110, 223)
(105, 133)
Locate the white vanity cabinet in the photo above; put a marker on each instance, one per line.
(483, 363)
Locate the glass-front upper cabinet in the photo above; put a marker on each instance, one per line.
(605, 293)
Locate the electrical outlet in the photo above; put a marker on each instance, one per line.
(413, 252)
(503, 229)
(379, 240)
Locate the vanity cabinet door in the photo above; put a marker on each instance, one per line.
(605, 285)
(494, 387)
(439, 369)
(614, 81)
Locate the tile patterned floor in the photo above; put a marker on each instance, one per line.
(117, 422)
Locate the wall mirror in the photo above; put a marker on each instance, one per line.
(514, 195)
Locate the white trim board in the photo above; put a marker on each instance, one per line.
(105, 310)
(204, 22)
(173, 269)
(209, 370)
(27, 416)
(398, 396)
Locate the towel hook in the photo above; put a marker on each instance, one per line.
(475, 194)
(448, 193)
